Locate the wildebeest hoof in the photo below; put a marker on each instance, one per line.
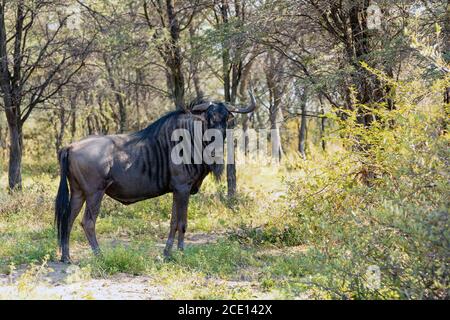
(168, 255)
(169, 258)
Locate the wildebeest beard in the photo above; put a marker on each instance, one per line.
(217, 167)
(217, 170)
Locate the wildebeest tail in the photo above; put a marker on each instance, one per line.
(62, 203)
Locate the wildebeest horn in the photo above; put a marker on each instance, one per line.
(247, 109)
(202, 106)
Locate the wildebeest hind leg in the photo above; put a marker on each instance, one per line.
(76, 203)
(93, 203)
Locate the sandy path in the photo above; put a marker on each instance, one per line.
(68, 282)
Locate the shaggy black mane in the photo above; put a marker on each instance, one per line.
(153, 129)
(196, 101)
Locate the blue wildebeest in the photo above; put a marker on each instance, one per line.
(134, 167)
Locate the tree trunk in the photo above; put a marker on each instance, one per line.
(73, 125)
(15, 157)
(277, 150)
(369, 87)
(245, 78)
(136, 96)
(175, 59)
(322, 124)
(117, 94)
(2, 135)
(302, 132)
(446, 53)
(11, 103)
(322, 130)
(231, 180)
(59, 131)
(194, 63)
(231, 168)
(276, 117)
(275, 113)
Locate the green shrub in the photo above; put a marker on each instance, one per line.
(284, 235)
(380, 205)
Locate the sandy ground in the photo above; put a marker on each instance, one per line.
(61, 284)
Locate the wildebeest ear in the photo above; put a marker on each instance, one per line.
(202, 107)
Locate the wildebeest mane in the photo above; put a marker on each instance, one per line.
(153, 131)
(154, 128)
(196, 101)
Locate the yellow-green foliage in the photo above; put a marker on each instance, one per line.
(380, 203)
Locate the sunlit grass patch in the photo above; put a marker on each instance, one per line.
(223, 258)
(286, 266)
(130, 259)
(26, 227)
(119, 226)
(31, 247)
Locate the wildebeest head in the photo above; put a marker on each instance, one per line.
(218, 116)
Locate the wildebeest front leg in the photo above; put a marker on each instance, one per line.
(182, 218)
(172, 230)
(93, 203)
(178, 219)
